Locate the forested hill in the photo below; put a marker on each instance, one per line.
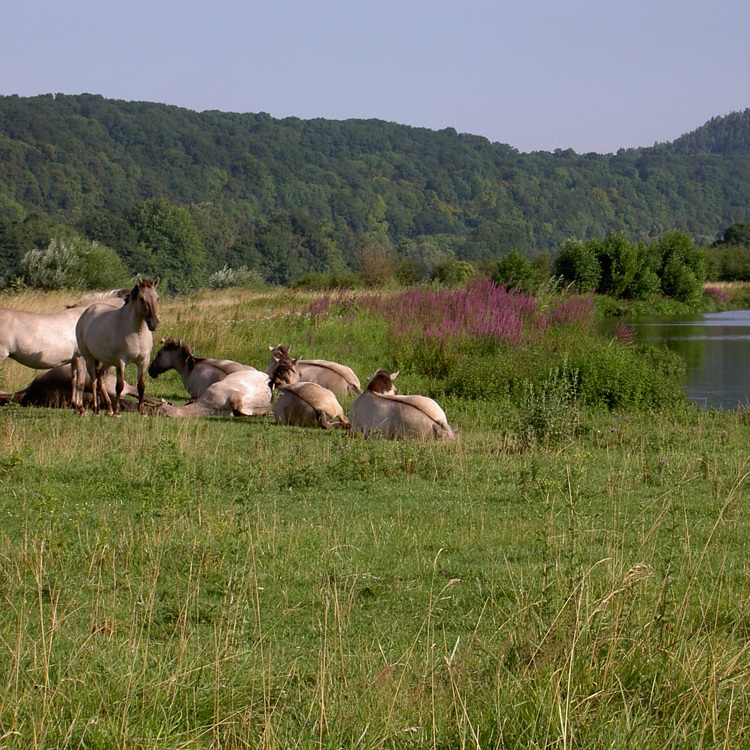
(349, 181)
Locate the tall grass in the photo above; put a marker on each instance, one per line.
(230, 583)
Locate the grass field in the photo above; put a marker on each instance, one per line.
(227, 583)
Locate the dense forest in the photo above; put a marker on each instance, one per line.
(188, 194)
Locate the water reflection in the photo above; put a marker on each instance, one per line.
(716, 347)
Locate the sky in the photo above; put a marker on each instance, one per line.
(539, 75)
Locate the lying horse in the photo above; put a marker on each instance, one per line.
(245, 393)
(45, 340)
(110, 336)
(53, 389)
(336, 377)
(381, 410)
(304, 404)
(197, 373)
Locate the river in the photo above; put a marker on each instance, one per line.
(716, 347)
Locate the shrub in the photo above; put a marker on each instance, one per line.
(550, 411)
(578, 265)
(452, 272)
(241, 277)
(73, 263)
(629, 377)
(516, 271)
(683, 269)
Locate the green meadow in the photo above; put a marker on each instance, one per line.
(570, 572)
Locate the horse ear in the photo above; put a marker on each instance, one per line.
(155, 282)
(163, 340)
(394, 375)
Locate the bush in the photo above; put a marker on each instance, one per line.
(516, 271)
(550, 411)
(452, 272)
(241, 277)
(683, 268)
(578, 265)
(629, 377)
(73, 263)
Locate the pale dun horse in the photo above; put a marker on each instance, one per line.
(115, 337)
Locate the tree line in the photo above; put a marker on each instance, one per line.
(222, 196)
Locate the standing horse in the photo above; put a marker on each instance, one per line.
(197, 373)
(45, 340)
(107, 337)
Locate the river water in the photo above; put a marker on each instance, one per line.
(716, 347)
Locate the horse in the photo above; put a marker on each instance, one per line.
(338, 378)
(245, 393)
(197, 373)
(304, 404)
(382, 411)
(52, 388)
(109, 336)
(45, 340)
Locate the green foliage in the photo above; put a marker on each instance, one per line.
(728, 263)
(682, 266)
(172, 248)
(629, 377)
(73, 262)
(736, 234)
(577, 263)
(235, 277)
(672, 265)
(516, 271)
(293, 197)
(550, 413)
(452, 272)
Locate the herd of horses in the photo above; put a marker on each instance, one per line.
(78, 348)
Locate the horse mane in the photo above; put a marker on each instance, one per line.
(184, 349)
(381, 382)
(88, 299)
(284, 365)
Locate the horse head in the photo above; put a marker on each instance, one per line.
(284, 371)
(382, 383)
(145, 297)
(173, 353)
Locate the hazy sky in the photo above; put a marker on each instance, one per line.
(536, 74)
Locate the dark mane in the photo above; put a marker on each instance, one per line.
(381, 382)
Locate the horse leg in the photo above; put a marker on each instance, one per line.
(76, 399)
(101, 371)
(119, 386)
(141, 387)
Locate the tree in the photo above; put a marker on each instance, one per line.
(452, 271)
(578, 265)
(170, 243)
(516, 271)
(736, 234)
(377, 264)
(682, 269)
(618, 262)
